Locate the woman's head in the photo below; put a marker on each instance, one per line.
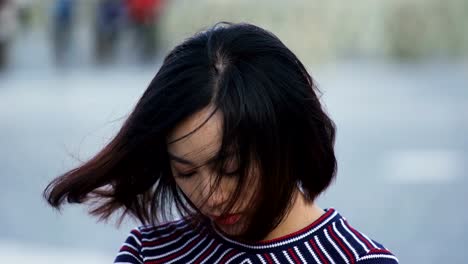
(231, 123)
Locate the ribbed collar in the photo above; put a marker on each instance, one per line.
(286, 241)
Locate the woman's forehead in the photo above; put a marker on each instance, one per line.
(198, 137)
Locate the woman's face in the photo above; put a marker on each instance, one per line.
(195, 175)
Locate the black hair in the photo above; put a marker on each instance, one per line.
(272, 120)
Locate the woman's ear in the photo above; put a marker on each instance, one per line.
(300, 187)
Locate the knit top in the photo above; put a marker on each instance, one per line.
(328, 240)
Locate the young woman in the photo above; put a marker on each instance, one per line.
(231, 134)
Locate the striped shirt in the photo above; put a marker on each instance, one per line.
(328, 240)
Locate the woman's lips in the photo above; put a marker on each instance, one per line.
(229, 219)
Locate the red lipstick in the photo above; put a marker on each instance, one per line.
(229, 219)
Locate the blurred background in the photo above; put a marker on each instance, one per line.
(394, 77)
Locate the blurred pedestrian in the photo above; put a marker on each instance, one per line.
(8, 27)
(62, 28)
(108, 27)
(24, 14)
(144, 17)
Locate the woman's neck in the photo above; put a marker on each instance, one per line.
(301, 214)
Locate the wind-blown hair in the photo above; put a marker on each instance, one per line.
(272, 120)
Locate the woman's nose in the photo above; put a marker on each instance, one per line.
(215, 194)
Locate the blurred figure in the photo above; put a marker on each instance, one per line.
(25, 14)
(108, 26)
(144, 17)
(62, 26)
(8, 26)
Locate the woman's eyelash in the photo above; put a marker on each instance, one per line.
(191, 173)
(185, 174)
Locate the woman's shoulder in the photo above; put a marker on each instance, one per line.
(149, 237)
(152, 231)
(354, 245)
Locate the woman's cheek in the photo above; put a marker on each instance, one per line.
(189, 189)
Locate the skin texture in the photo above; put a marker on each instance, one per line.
(190, 154)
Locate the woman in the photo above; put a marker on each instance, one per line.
(231, 134)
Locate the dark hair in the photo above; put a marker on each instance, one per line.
(272, 119)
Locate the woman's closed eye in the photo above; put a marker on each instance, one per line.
(185, 174)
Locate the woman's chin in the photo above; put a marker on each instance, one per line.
(233, 230)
